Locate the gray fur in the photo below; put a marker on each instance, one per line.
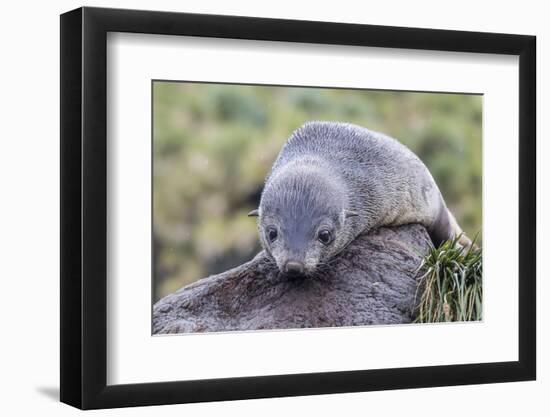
(348, 180)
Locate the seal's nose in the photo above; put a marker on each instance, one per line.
(294, 268)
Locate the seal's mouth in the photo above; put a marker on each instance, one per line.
(293, 276)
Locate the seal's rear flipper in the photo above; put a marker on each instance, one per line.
(466, 242)
(463, 240)
(446, 228)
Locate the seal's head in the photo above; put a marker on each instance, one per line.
(302, 217)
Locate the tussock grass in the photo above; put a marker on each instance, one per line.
(450, 284)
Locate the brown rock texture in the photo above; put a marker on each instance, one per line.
(373, 281)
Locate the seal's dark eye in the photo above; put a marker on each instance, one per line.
(324, 236)
(272, 234)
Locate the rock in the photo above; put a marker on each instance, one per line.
(373, 281)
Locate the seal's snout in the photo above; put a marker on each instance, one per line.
(294, 268)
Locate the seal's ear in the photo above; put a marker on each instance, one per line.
(350, 213)
(254, 213)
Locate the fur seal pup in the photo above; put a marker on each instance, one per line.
(334, 181)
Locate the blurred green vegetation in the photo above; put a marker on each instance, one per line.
(213, 144)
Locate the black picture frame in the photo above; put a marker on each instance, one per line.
(84, 207)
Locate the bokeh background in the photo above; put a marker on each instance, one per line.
(213, 145)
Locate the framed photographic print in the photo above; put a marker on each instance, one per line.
(257, 207)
